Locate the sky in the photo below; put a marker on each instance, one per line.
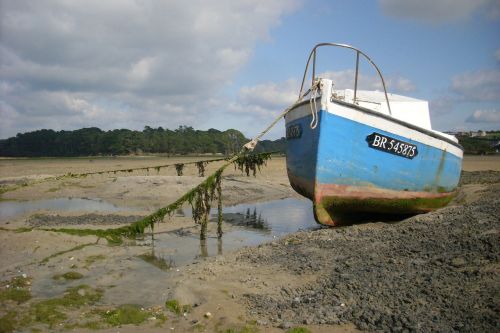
(69, 64)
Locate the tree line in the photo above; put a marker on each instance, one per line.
(95, 142)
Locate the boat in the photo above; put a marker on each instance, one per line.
(354, 151)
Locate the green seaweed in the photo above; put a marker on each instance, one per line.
(251, 162)
(126, 314)
(17, 295)
(16, 290)
(394, 206)
(78, 247)
(50, 311)
(219, 206)
(92, 259)
(23, 229)
(175, 307)
(8, 322)
(298, 330)
(71, 275)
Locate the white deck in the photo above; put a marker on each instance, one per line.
(408, 109)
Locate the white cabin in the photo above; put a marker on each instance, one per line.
(411, 110)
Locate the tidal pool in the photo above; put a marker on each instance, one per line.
(244, 225)
(11, 209)
(251, 224)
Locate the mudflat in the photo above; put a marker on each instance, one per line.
(431, 272)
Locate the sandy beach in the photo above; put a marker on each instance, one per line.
(431, 272)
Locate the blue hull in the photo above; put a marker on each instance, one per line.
(335, 166)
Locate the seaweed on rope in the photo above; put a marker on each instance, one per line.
(201, 168)
(179, 167)
(10, 188)
(199, 197)
(251, 162)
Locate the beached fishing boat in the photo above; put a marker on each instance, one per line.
(353, 151)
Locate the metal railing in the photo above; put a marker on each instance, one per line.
(358, 52)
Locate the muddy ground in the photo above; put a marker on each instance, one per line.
(431, 272)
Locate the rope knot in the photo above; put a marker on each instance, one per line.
(250, 146)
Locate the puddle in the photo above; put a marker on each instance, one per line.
(252, 224)
(11, 209)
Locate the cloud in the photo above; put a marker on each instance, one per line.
(345, 80)
(470, 87)
(270, 98)
(127, 58)
(481, 85)
(438, 11)
(484, 116)
(271, 94)
(493, 10)
(442, 105)
(265, 99)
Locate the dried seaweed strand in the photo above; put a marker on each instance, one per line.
(179, 167)
(201, 168)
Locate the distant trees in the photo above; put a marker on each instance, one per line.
(477, 145)
(94, 141)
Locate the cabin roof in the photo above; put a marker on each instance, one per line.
(376, 96)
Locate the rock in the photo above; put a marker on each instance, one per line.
(458, 262)
(261, 322)
(285, 325)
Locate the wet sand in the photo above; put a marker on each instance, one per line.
(294, 281)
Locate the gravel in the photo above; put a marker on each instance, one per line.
(479, 177)
(436, 272)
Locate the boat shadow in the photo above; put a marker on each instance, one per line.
(350, 219)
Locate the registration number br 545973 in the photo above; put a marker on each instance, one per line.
(391, 145)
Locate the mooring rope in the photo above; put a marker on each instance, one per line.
(252, 143)
(312, 104)
(199, 197)
(5, 189)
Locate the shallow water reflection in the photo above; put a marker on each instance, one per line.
(164, 253)
(251, 224)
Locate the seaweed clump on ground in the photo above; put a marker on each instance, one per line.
(251, 162)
